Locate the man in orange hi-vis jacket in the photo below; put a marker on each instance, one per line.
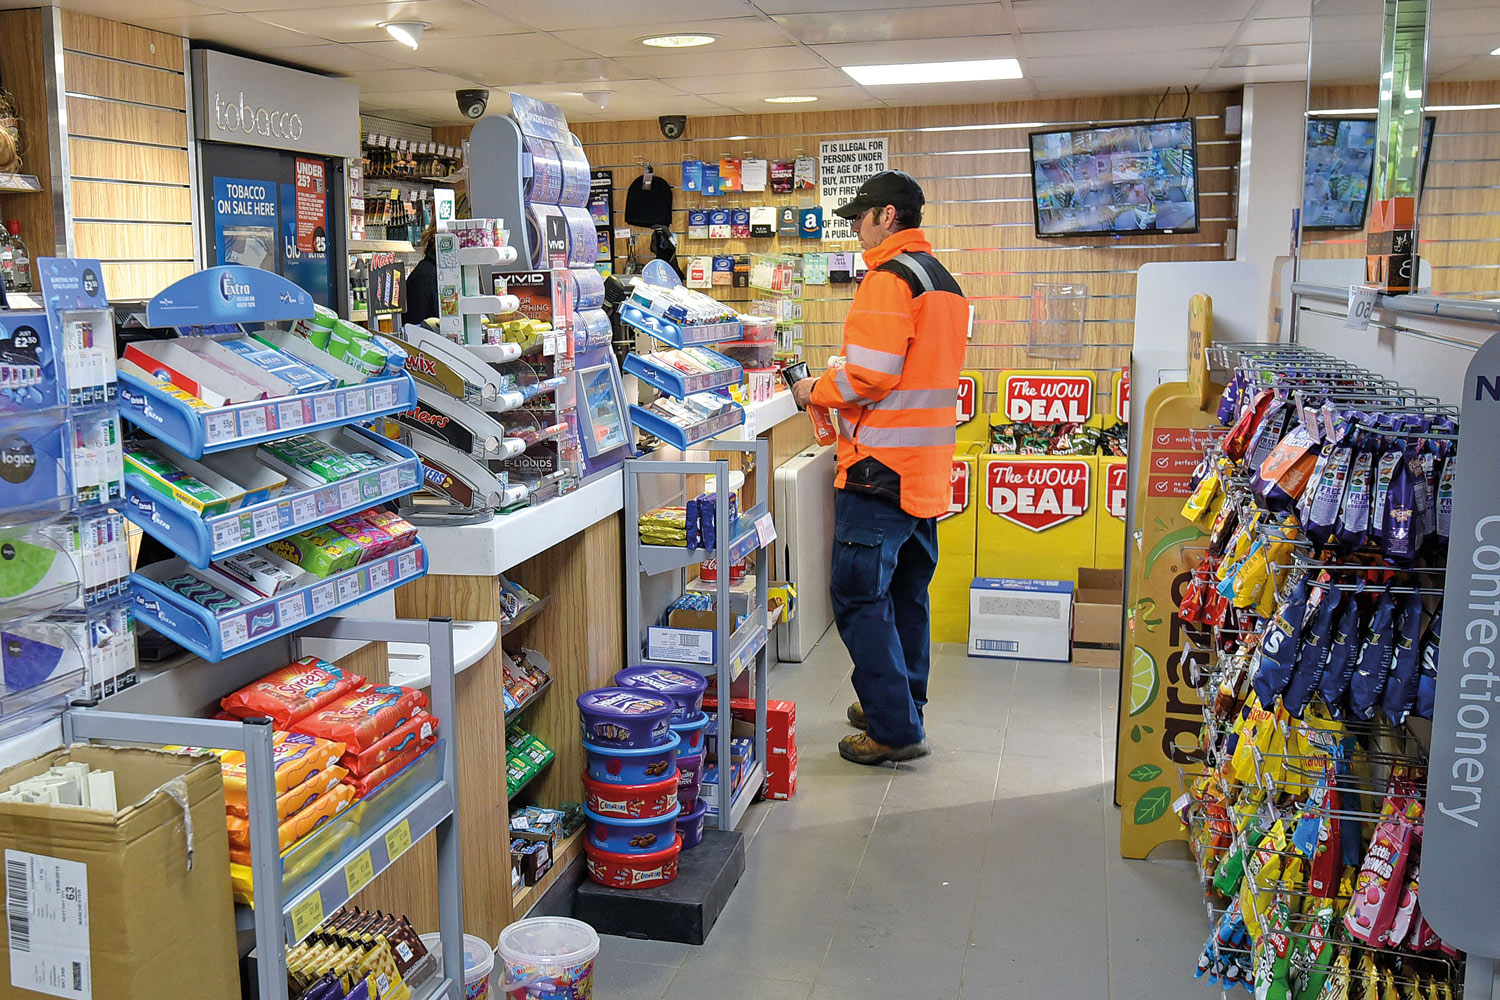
(894, 399)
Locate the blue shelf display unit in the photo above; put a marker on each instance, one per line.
(689, 369)
(222, 441)
(63, 628)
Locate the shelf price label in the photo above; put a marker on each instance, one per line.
(349, 493)
(380, 574)
(398, 841)
(304, 509)
(267, 521)
(385, 397)
(324, 597)
(254, 421)
(359, 873)
(291, 610)
(390, 480)
(348, 588)
(765, 529)
(1361, 307)
(325, 408)
(227, 532)
(218, 427)
(307, 915)
(234, 631)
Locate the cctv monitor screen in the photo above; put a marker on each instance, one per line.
(1135, 178)
(1340, 168)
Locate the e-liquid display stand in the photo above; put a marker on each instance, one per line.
(734, 649)
(296, 892)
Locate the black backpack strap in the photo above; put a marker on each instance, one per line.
(922, 273)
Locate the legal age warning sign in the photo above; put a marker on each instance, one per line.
(843, 165)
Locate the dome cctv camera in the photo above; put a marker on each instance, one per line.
(672, 126)
(472, 102)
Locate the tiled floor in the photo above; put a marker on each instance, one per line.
(990, 869)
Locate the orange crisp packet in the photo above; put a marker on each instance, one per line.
(292, 692)
(322, 809)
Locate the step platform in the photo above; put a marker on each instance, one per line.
(684, 909)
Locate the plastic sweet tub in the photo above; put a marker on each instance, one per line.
(689, 771)
(690, 825)
(479, 962)
(632, 871)
(632, 836)
(691, 733)
(619, 766)
(683, 687)
(548, 957)
(750, 353)
(628, 718)
(687, 797)
(631, 801)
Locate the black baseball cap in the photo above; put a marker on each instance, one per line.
(889, 187)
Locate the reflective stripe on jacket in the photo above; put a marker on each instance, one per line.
(894, 398)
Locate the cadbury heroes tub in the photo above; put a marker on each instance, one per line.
(626, 718)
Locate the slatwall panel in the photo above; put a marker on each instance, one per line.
(129, 158)
(1460, 212)
(23, 62)
(973, 164)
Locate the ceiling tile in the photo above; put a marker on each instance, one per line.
(1065, 15)
(1365, 27)
(1275, 30)
(767, 84)
(698, 63)
(144, 9)
(407, 78)
(491, 57)
(1266, 55)
(919, 50)
(1167, 67)
(238, 31)
(734, 33)
(778, 7)
(1283, 8)
(974, 92)
(756, 98)
(331, 57)
(360, 23)
(636, 17)
(898, 23)
(1238, 76)
(1122, 43)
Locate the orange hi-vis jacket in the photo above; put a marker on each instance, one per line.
(895, 395)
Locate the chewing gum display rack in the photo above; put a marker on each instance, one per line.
(681, 437)
(200, 540)
(658, 373)
(295, 893)
(736, 650)
(251, 297)
(674, 334)
(1300, 761)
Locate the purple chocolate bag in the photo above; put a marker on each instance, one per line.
(1427, 675)
(1401, 685)
(1373, 666)
(1397, 541)
(1327, 488)
(1354, 511)
(1322, 603)
(1342, 650)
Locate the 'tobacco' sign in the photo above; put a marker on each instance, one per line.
(1038, 495)
(967, 396)
(1049, 399)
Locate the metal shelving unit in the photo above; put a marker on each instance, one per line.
(735, 648)
(361, 843)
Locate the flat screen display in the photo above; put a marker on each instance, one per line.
(1340, 168)
(1139, 177)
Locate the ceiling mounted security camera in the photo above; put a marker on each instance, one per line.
(471, 103)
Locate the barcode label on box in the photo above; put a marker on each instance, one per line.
(680, 645)
(47, 911)
(997, 645)
(1012, 606)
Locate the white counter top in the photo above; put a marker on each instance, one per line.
(411, 663)
(508, 539)
(761, 417)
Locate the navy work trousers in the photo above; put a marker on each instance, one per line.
(883, 560)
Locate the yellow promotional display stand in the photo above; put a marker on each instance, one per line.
(1160, 713)
(1036, 518)
(1109, 512)
(970, 419)
(949, 590)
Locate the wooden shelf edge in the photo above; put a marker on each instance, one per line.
(528, 896)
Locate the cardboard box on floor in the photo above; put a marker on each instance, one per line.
(1097, 606)
(146, 893)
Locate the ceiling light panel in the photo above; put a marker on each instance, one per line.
(893, 74)
(682, 41)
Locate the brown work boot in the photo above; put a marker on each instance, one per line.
(856, 716)
(861, 749)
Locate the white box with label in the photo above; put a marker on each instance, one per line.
(1021, 619)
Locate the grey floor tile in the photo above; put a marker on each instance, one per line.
(938, 913)
(790, 942)
(827, 991)
(945, 735)
(613, 948)
(617, 980)
(1056, 966)
(696, 984)
(890, 959)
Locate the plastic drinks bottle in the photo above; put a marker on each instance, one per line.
(823, 429)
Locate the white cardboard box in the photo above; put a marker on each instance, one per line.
(1021, 619)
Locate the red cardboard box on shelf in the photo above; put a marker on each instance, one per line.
(781, 721)
(781, 774)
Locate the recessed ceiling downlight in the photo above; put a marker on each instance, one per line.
(679, 41)
(791, 99)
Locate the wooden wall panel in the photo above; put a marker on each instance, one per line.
(122, 81)
(126, 162)
(22, 67)
(133, 241)
(127, 123)
(136, 281)
(974, 166)
(98, 119)
(83, 33)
